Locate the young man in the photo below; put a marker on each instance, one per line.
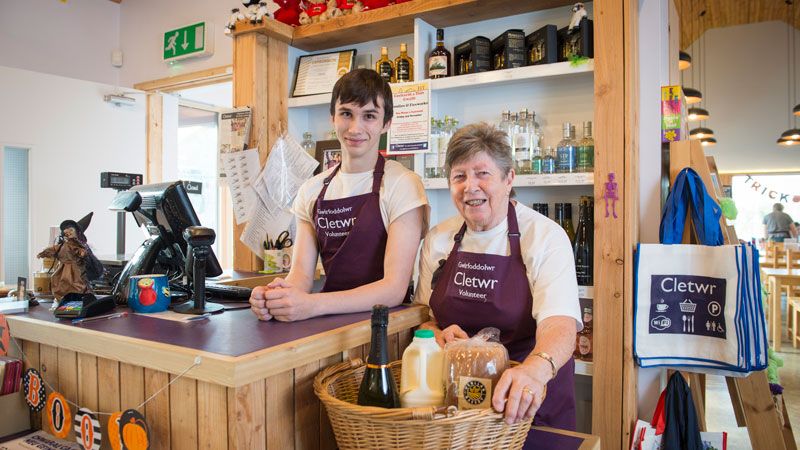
(365, 218)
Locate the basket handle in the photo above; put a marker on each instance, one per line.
(333, 370)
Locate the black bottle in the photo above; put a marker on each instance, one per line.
(584, 243)
(378, 387)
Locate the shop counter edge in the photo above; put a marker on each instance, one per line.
(226, 370)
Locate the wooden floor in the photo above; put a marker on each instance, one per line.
(719, 414)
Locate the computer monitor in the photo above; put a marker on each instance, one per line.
(163, 213)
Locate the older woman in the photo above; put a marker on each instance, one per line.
(501, 264)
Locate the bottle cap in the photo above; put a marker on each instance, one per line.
(439, 34)
(425, 334)
(380, 314)
(384, 51)
(403, 47)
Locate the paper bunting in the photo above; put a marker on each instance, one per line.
(133, 431)
(58, 415)
(33, 387)
(772, 194)
(3, 336)
(113, 431)
(87, 430)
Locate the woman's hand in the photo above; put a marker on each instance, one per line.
(258, 303)
(520, 392)
(450, 334)
(287, 303)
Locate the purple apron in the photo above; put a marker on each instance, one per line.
(477, 290)
(351, 235)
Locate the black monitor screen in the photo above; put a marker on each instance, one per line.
(165, 212)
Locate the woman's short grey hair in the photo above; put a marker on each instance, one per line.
(473, 139)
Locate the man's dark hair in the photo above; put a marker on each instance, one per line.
(363, 86)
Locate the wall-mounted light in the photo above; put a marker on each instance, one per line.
(692, 95)
(119, 100)
(700, 133)
(697, 114)
(685, 60)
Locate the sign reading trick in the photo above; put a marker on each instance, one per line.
(688, 304)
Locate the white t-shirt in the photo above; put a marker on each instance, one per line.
(401, 191)
(546, 252)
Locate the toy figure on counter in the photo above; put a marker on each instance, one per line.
(72, 252)
(578, 13)
(288, 12)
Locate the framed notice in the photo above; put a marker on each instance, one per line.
(316, 74)
(329, 154)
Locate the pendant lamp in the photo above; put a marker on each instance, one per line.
(685, 60)
(701, 133)
(693, 96)
(697, 114)
(791, 135)
(787, 143)
(796, 110)
(708, 142)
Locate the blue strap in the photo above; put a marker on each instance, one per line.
(687, 190)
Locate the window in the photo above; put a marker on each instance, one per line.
(755, 196)
(16, 217)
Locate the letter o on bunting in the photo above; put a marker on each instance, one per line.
(87, 430)
(58, 415)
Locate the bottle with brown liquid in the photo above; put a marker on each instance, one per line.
(584, 341)
(385, 67)
(439, 59)
(404, 66)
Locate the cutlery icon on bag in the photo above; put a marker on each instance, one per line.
(684, 322)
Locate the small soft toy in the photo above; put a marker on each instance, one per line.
(375, 4)
(72, 272)
(235, 17)
(261, 12)
(250, 8)
(288, 12)
(346, 7)
(578, 13)
(316, 11)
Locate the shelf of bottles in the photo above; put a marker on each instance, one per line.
(555, 179)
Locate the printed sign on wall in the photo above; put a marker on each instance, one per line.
(688, 304)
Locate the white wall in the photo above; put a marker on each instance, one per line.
(73, 39)
(746, 94)
(73, 136)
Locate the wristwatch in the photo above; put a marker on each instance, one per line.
(549, 359)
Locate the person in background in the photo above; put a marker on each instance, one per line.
(521, 275)
(364, 218)
(778, 225)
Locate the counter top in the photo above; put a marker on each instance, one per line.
(235, 347)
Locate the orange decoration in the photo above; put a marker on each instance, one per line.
(113, 430)
(4, 336)
(58, 415)
(134, 436)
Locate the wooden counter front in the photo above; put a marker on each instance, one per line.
(252, 389)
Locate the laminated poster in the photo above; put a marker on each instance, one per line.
(411, 125)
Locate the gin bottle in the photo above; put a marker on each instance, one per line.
(308, 145)
(432, 157)
(507, 127)
(445, 133)
(522, 156)
(585, 159)
(566, 151)
(537, 137)
(549, 161)
(537, 161)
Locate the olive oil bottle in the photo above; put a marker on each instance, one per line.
(385, 67)
(404, 66)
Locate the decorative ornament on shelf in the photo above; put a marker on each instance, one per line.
(375, 4)
(346, 7)
(316, 11)
(257, 14)
(236, 16)
(288, 12)
(578, 13)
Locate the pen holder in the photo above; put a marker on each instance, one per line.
(148, 293)
(273, 261)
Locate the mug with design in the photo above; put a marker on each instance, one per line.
(273, 261)
(148, 293)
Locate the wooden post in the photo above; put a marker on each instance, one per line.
(260, 80)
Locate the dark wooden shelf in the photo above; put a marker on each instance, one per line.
(394, 20)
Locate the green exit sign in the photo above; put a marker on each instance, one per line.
(188, 42)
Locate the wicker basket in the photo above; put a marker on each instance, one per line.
(367, 427)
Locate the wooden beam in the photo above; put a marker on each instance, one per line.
(155, 139)
(188, 80)
(610, 254)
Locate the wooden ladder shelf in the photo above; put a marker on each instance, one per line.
(751, 398)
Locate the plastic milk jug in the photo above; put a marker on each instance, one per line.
(421, 383)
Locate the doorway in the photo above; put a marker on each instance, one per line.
(15, 213)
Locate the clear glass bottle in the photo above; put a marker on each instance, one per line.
(432, 157)
(537, 161)
(565, 154)
(308, 145)
(385, 67)
(536, 134)
(522, 152)
(445, 133)
(549, 161)
(585, 154)
(404, 66)
(507, 127)
(566, 222)
(439, 59)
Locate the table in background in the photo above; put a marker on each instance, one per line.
(776, 279)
